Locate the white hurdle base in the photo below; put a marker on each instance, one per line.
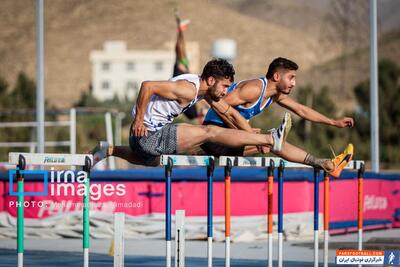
(85, 257)
(326, 250)
(168, 253)
(316, 248)
(119, 247)
(270, 259)
(209, 251)
(227, 251)
(20, 259)
(180, 238)
(280, 249)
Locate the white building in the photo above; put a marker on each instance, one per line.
(118, 71)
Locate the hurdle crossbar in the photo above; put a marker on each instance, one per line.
(265, 162)
(243, 161)
(50, 159)
(184, 160)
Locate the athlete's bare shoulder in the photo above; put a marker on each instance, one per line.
(250, 90)
(186, 89)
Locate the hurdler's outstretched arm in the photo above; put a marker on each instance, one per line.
(311, 114)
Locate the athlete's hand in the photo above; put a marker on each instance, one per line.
(345, 122)
(263, 149)
(256, 130)
(139, 129)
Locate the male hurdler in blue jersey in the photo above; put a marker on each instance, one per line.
(251, 97)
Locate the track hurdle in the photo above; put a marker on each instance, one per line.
(354, 165)
(270, 209)
(169, 161)
(44, 159)
(228, 163)
(228, 171)
(360, 200)
(326, 218)
(316, 215)
(280, 213)
(263, 162)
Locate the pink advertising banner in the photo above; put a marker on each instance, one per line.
(381, 199)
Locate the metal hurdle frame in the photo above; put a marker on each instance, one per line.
(169, 161)
(228, 163)
(227, 172)
(316, 215)
(270, 209)
(43, 159)
(360, 201)
(326, 218)
(271, 162)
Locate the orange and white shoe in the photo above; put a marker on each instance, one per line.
(182, 24)
(340, 161)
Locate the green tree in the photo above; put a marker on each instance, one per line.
(3, 92)
(316, 137)
(21, 97)
(389, 113)
(24, 93)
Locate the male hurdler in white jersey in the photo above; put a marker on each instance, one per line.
(251, 97)
(159, 102)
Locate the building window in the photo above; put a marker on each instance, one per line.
(105, 85)
(158, 65)
(105, 66)
(131, 85)
(130, 65)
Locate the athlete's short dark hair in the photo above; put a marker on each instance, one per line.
(280, 63)
(218, 68)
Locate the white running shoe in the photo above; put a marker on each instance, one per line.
(279, 135)
(100, 152)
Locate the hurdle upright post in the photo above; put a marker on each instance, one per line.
(168, 173)
(119, 246)
(210, 173)
(280, 213)
(86, 211)
(228, 170)
(316, 213)
(360, 179)
(326, 218)
(20, 213)
(270, 209)
(21, 160)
